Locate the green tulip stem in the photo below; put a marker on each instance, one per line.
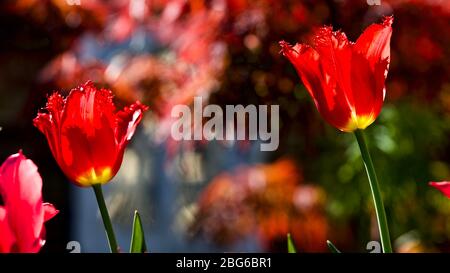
(106, 220)
(376, 193)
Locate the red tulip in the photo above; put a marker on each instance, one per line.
(345, 79)
(86, 135)
(444, 187)
(23, 215)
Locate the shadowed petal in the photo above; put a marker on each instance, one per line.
(49, 123)
(6, 235)
(335, 53)
(330, 101)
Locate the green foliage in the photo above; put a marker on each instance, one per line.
(332, 248)
(137, 244)
(290, 244)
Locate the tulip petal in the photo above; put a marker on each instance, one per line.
(49, 123)
(87, 107)
(444, 187)
(127, 121)
(87, 135)
(335, 53)
(49, 211)
(332, 104)
(20, 186)
(374, 42)
(6, 235)
(368, 90)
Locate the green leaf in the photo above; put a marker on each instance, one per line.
(332, 248)
(137, 244)
(290, 244)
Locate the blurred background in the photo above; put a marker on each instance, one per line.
(221, 195)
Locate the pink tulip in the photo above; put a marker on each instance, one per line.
(23, 214)
(444, 187)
